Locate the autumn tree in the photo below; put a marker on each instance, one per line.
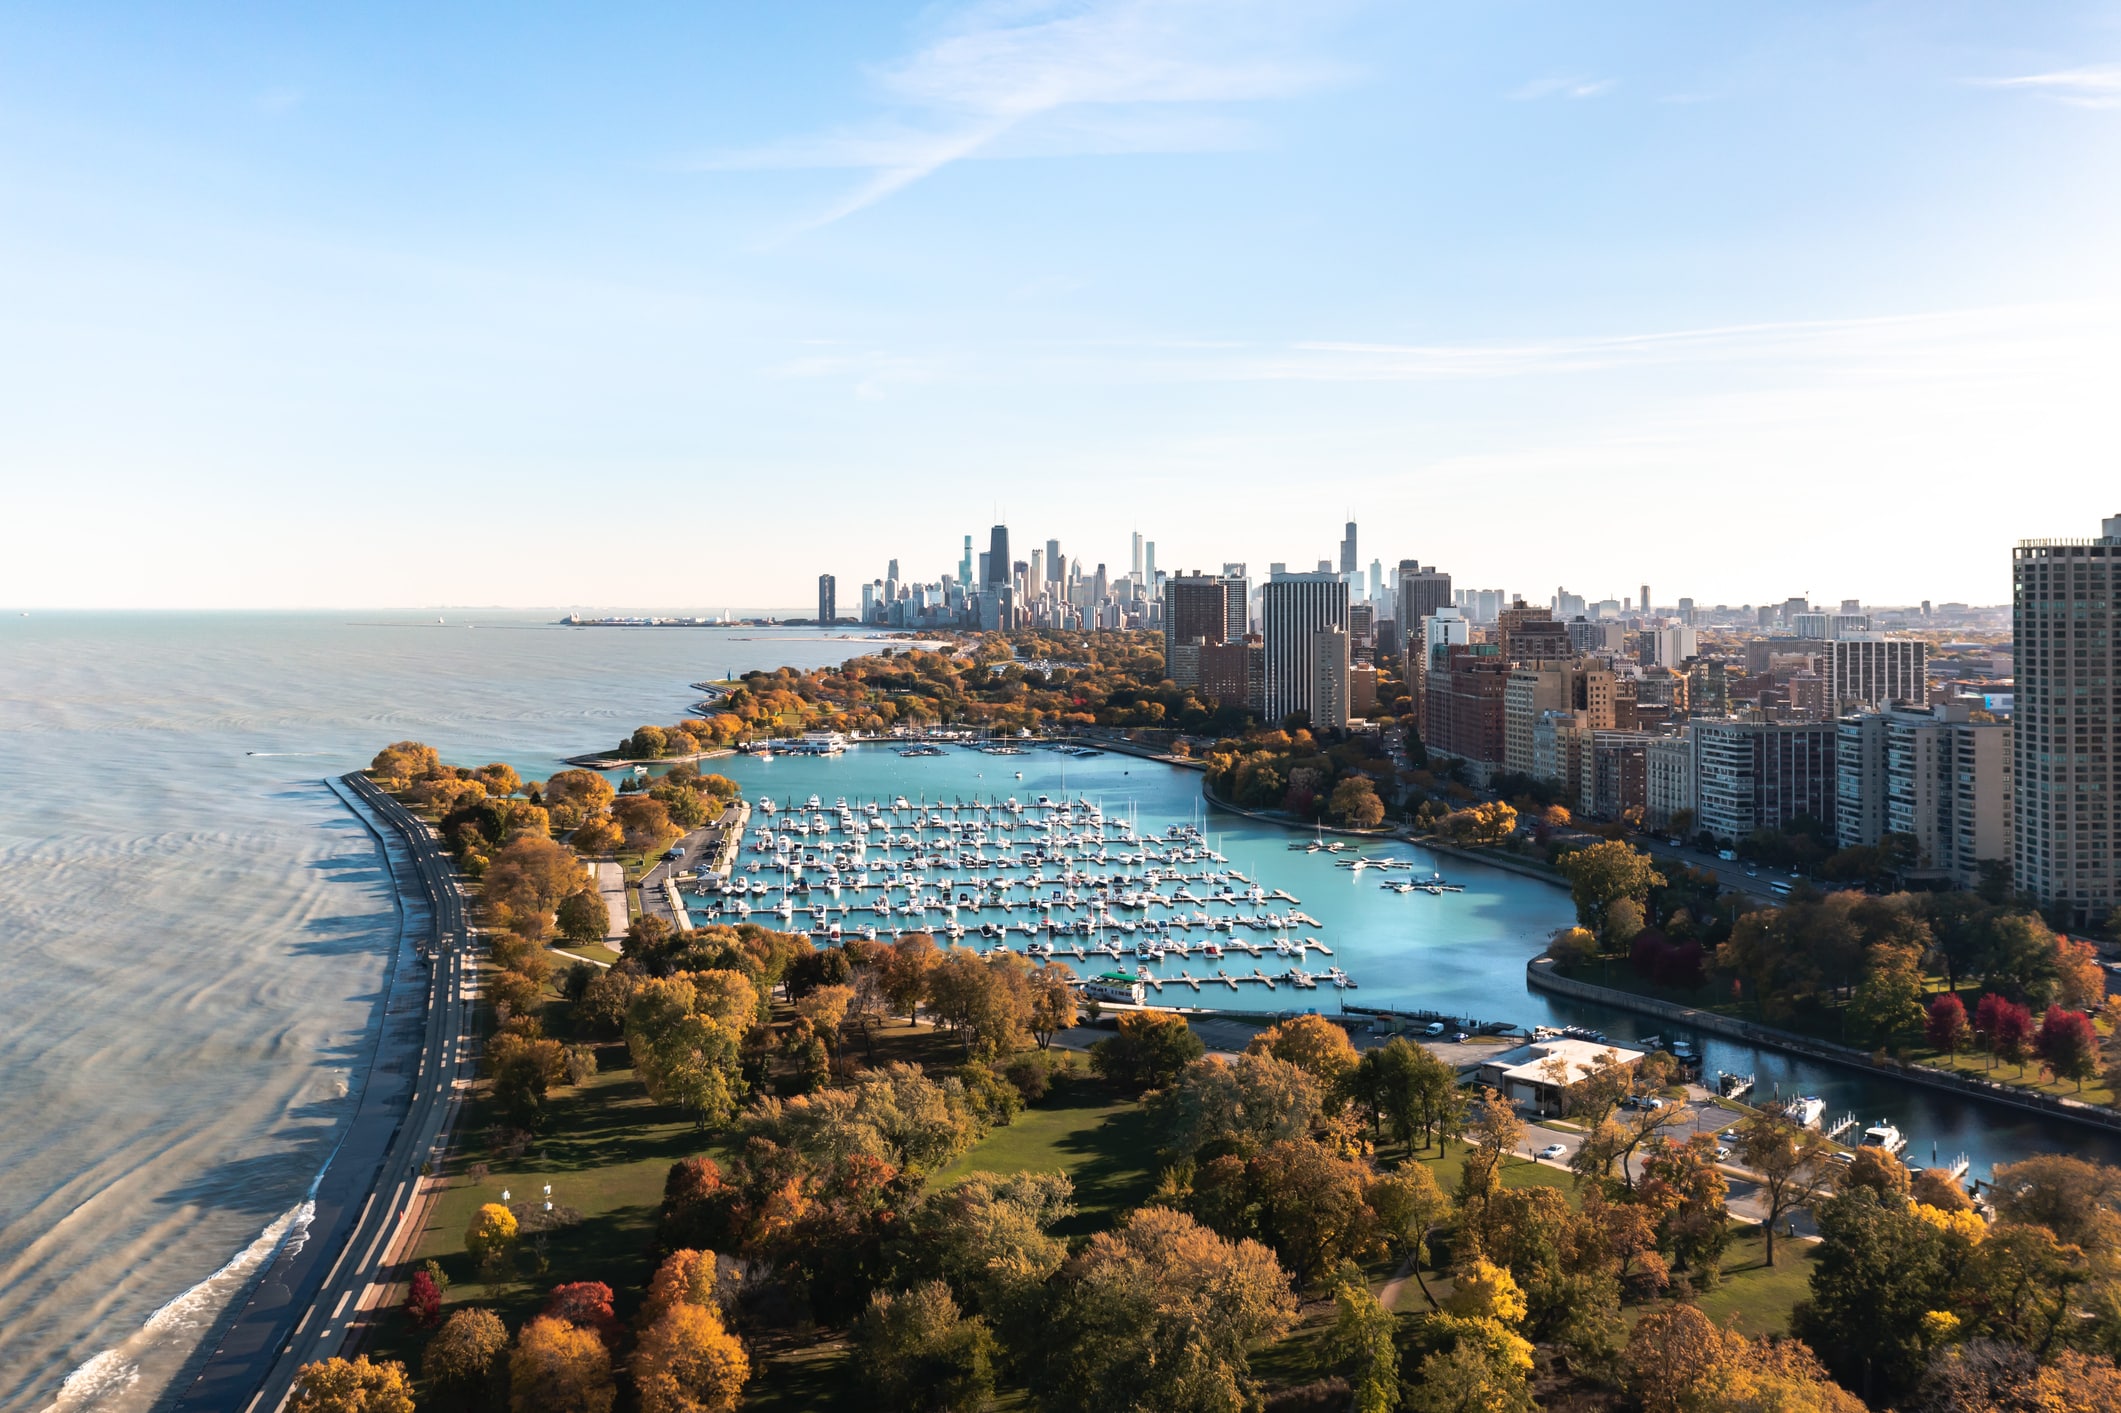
(1158, 1314)
(1492, 1137)
(1792, 1163)
(2068, 1045)
(491, 1237)
(2006, 1029)
(1054, 1006)
(1151, 1049)
(906, 971)
(1242, 1106)
(1314, 1045)
(644, 823)
(1354, 803)
(557, 1368)
(987, 1004)
(351, 1386)
(573, 796)
(1678, 1361)
(688, 1363)
(1945, 1025)
(1889, 999)
(1408, 1092)
(466, 1356)
(585, 1305)
(1605, 873)
(398, 764)
(526, 880)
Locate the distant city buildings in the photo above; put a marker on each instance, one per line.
(828, 609)
(1305, 639)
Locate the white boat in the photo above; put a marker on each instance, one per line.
(1806, 1110)
(1882, 1135)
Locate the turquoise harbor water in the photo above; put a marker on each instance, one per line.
(193, 928)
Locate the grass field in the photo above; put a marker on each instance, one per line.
(1099, 1139)
(1759, 1299)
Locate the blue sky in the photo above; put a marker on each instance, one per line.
(682, 306)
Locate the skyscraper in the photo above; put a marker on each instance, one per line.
(1196, 615)
(1053, 562)
(2067, 640)
(1645, 599)
(1295, 610)
(1137, 554)
(997, 557)
(828, 608)
(964, 566)
(1347, 550)
(1418, 593)
(1149, 565)
(1037, 582)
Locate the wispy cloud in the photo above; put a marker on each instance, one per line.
(1014, 78)
(2095, 86)
(1577, 87)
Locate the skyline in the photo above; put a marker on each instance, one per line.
(1545, 297)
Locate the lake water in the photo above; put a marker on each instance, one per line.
(194, 928)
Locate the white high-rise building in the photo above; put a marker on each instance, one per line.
(1137, 554)
(2067, 722)
(1873, 670)
(1296, 610)
(1937, 776)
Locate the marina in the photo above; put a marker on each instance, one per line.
(1047, 878)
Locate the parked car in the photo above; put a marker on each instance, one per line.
(1433, 1028)
(1552, 1152)
(1723, 1155)
(1460, 1037)
(1730, 1135)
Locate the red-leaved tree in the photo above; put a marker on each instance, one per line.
(423, 1302)
(586, 1305)
(2006, 1029)
(1945, 1026)
(2069, 1046)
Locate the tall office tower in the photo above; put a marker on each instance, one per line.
(2067, 641)
(1418, 593)
(1874, 670)
(893, 574)
(1295, 609)
(1149, 566)
(1098, 586)
(1377, 578)
(1347, 550)
(1137, 554)
(1645, 599)
(1196, 615)
(964, 566)
(1237, 592)
(1053, 561)
(828, 608)
(997, 557)
(1038, 572)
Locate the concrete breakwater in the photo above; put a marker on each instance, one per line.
(1541, 975)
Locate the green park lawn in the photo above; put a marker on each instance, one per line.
(1101, 1140)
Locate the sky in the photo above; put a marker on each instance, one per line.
(678, 307)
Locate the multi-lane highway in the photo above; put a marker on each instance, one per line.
(325, 1284)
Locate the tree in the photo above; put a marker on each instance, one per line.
(491, 1236)
(1305, 1202)
(465, 1355)
(1494, 1135)
(987, 1003)
(524, 1069)
(1313, 1044)
(1945, 1025)
(686, 1277)
(1890, 998)
(1151, 1050)
(557, 1368)
(400, 763)
(351, 1386)
(585, 1305)
(1602, 875)
(423, 1301)
(644, 823)
(1877, 1273)
(1572, 947)
(906, 970)
(583, 917)
(1989, 1376)
(1157, 1314)
(2006, 1029)
(573, 796)
(990, 1239)
(918, 1351)
(1354, 803)
(1683, 1182)
(1407, 1091)
(688, 1363)
(1677, 1361)
(526, 880)
(1477, 1366)
(2079, 1201)
(1054, 1007)
(1243, 1106)
(2069, 1047)
(1362, 1343)
(2080, 982)
(1792, 1163)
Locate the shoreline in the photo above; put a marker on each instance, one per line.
(1540, 975)
(302, 1304)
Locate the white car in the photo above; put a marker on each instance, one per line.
(1552, 1152)
(1723, 1155)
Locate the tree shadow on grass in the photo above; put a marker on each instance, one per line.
(1115, 1171)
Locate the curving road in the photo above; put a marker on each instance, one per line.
(324, 1285)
